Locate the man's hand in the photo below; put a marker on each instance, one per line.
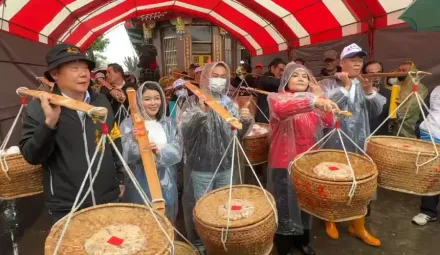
(325, 104)
(367, 85)
(346, 81)
(121, 190)
(245, 114)
(118, 95)
(51, 111)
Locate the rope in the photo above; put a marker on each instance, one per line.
(142, 193)
(261, 111)
(403, 120)
(231, 119)
(354, 185)
(83, 122)
(5, 142)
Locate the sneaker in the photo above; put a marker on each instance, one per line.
(422, 219)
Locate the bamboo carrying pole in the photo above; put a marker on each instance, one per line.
(146, 154)
(370, 75)
(65, 102)
(210, 101)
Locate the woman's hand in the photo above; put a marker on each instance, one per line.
(325, 104)
(155, 149)
(245, 114)
(316, 89)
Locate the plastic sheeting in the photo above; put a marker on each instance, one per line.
(167, 163)
(296, 126)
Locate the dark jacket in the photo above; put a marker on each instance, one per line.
(62, 153)
(249, 81)
(269, 84)
(375, 122)
(114, 103)
(325, 73)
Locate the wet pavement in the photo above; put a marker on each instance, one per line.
(390, 221)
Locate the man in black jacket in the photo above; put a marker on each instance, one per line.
(115, 76)
(269, 82)
(64, 140)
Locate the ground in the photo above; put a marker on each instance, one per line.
(390, 221)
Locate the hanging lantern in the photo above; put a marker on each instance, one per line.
(148, 29)
(180, 24)
(222, 32)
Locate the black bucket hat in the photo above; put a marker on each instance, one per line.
(64, 53)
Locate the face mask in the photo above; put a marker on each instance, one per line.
(182, 93)
(401, 78)
(217, 85)
(392, 81)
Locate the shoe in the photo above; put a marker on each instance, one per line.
(307, 250)
(422, 219)
(357, 229)
(331, 230)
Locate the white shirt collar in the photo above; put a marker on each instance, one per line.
(87, 99)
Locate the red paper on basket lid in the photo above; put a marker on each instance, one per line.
(115, 241)
(406, 145)
(236, 207)
(333, 168)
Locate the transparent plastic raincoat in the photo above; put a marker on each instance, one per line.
(170, 156)
(206, 136)
(363, 107)
(296, 126)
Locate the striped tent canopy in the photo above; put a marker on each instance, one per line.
(262, 26)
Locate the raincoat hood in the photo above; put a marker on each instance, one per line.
(288, 72)
(207, 74)
(139, 99)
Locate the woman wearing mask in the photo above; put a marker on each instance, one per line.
(180, 95)
(164, 142)
(206, 136)
(300, 115)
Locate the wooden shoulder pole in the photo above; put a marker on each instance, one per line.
(146, 154)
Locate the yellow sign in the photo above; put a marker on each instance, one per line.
(116, 132)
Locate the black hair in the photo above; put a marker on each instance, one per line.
(364, 68)
(276, 61)
(117, 68)
(247, 67)
(152, 86)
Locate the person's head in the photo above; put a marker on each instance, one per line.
(69, 68)
(276, 67)
(405, 67)
(331, 60)
(296, 78)
(192, 69)
(258, 69)
(179, 88)
(300, 61)
(352, 60)
(373, 67)
(115, 74)
(246, 69)
(152, 101)
(130, 77)
(215, 78)
(197, 74)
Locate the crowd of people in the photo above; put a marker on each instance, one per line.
(185, 134)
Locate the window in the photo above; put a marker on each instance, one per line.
(201, 37)
(228, 51)
(170, 53)
(201, 34)
(200, 48)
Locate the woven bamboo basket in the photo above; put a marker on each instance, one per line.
(24, 179)
(242, 100)
(396, 159)
(250, 235)
(257, 146)
(85, 223)
(181, 248)
(328, 199)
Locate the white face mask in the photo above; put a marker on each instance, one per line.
(217, 85)
(392, 81)
(182, 93)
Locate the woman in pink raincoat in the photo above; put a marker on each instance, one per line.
(298, 114)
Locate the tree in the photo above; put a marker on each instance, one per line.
(94, 52)
(131, 63)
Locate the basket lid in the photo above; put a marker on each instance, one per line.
(249, 206)
(91, 221)
(363, 167)
(181, 248)
(405, 144)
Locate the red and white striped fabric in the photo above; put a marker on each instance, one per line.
(262, 26)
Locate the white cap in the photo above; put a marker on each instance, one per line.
(178, 83)
(198, 69)
(352, 50)
(99, 75)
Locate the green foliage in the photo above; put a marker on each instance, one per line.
(131, 63)
(94, 52)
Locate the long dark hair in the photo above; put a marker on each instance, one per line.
(153, 86)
